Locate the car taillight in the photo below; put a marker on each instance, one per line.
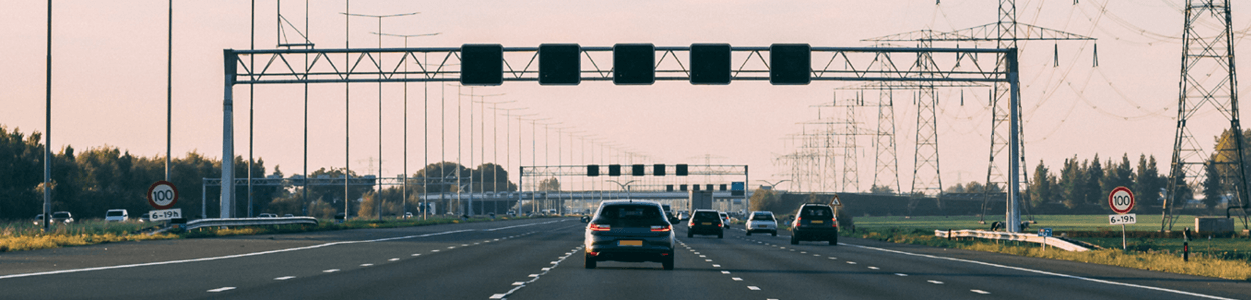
(598, 227)
(660, 228)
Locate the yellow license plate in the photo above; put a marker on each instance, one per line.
(629, 243)
(707, 223)
(817, 222)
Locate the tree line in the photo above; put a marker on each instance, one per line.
(88, 183)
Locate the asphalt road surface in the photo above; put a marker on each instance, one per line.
(542, 259)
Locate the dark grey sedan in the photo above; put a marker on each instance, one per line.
(630, 231)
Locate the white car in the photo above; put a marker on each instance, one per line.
(116, 215)
(762, 221)
(725, 218)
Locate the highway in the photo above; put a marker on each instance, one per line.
(542, 259)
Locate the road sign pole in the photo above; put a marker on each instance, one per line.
(1123, 246)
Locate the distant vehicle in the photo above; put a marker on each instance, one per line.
(288, 216)
(682, 216)
(39, 219)
(631, 231)
(267, 215)
(406, 215)
(62, 217)
(705, 222)
(144, 218)
(669, 213)
(116, 215)
(762, 221)
(814, 222)
(725, 218)
(586, 219)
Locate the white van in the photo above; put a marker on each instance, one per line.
(116, 215)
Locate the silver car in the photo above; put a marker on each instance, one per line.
(762, 221)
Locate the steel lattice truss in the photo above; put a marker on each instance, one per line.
(338, 181)
(751, 63)
(670, 170)
(1208, 82)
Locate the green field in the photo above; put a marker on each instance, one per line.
(1143, 236)
(1057, 223)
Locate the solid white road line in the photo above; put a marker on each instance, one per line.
(1042, 272)
(221, 289)
(228, 256)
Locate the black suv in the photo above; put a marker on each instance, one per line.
(632, 231)
(814, 222)
(705, 222)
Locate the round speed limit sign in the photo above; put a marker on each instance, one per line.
(1121, 200)
(162, 195)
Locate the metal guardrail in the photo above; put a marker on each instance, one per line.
(1058, 242)
(214, 222)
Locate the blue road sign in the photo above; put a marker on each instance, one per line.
(1044, 232)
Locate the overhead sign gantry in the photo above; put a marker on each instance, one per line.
(623, 64)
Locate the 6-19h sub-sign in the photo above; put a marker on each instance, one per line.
(1121, 200)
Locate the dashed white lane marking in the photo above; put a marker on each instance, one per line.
(831, 257)
(725, 272)
(980, 292)
(496, 240)
(416, 254)
(703, 256)
(901, 274)
(452, 247)
(464, 245)
(736, 278)
(435, 250)
(803, 252)
(696, 253)
(534, 277)
(1042, 272)
(872, 268)
(221, 289)
(394, 259)
(851, 262)
(716, 266)
(934, 281)
(816, 255)
(752, 287)
(366, 265)
(284, 277)
(330, 271)
(708, 260)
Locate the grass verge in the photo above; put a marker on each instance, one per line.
(23, 236)
(1155, 260)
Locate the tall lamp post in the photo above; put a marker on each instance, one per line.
(379, 58)
(625, 186)
(404, 184)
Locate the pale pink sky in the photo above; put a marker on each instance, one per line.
(109, 78)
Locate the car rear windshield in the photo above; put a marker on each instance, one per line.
(113, 214)
(60, 215)
(630, 212)
(816, 212)
(762, 217)
(701, 215)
